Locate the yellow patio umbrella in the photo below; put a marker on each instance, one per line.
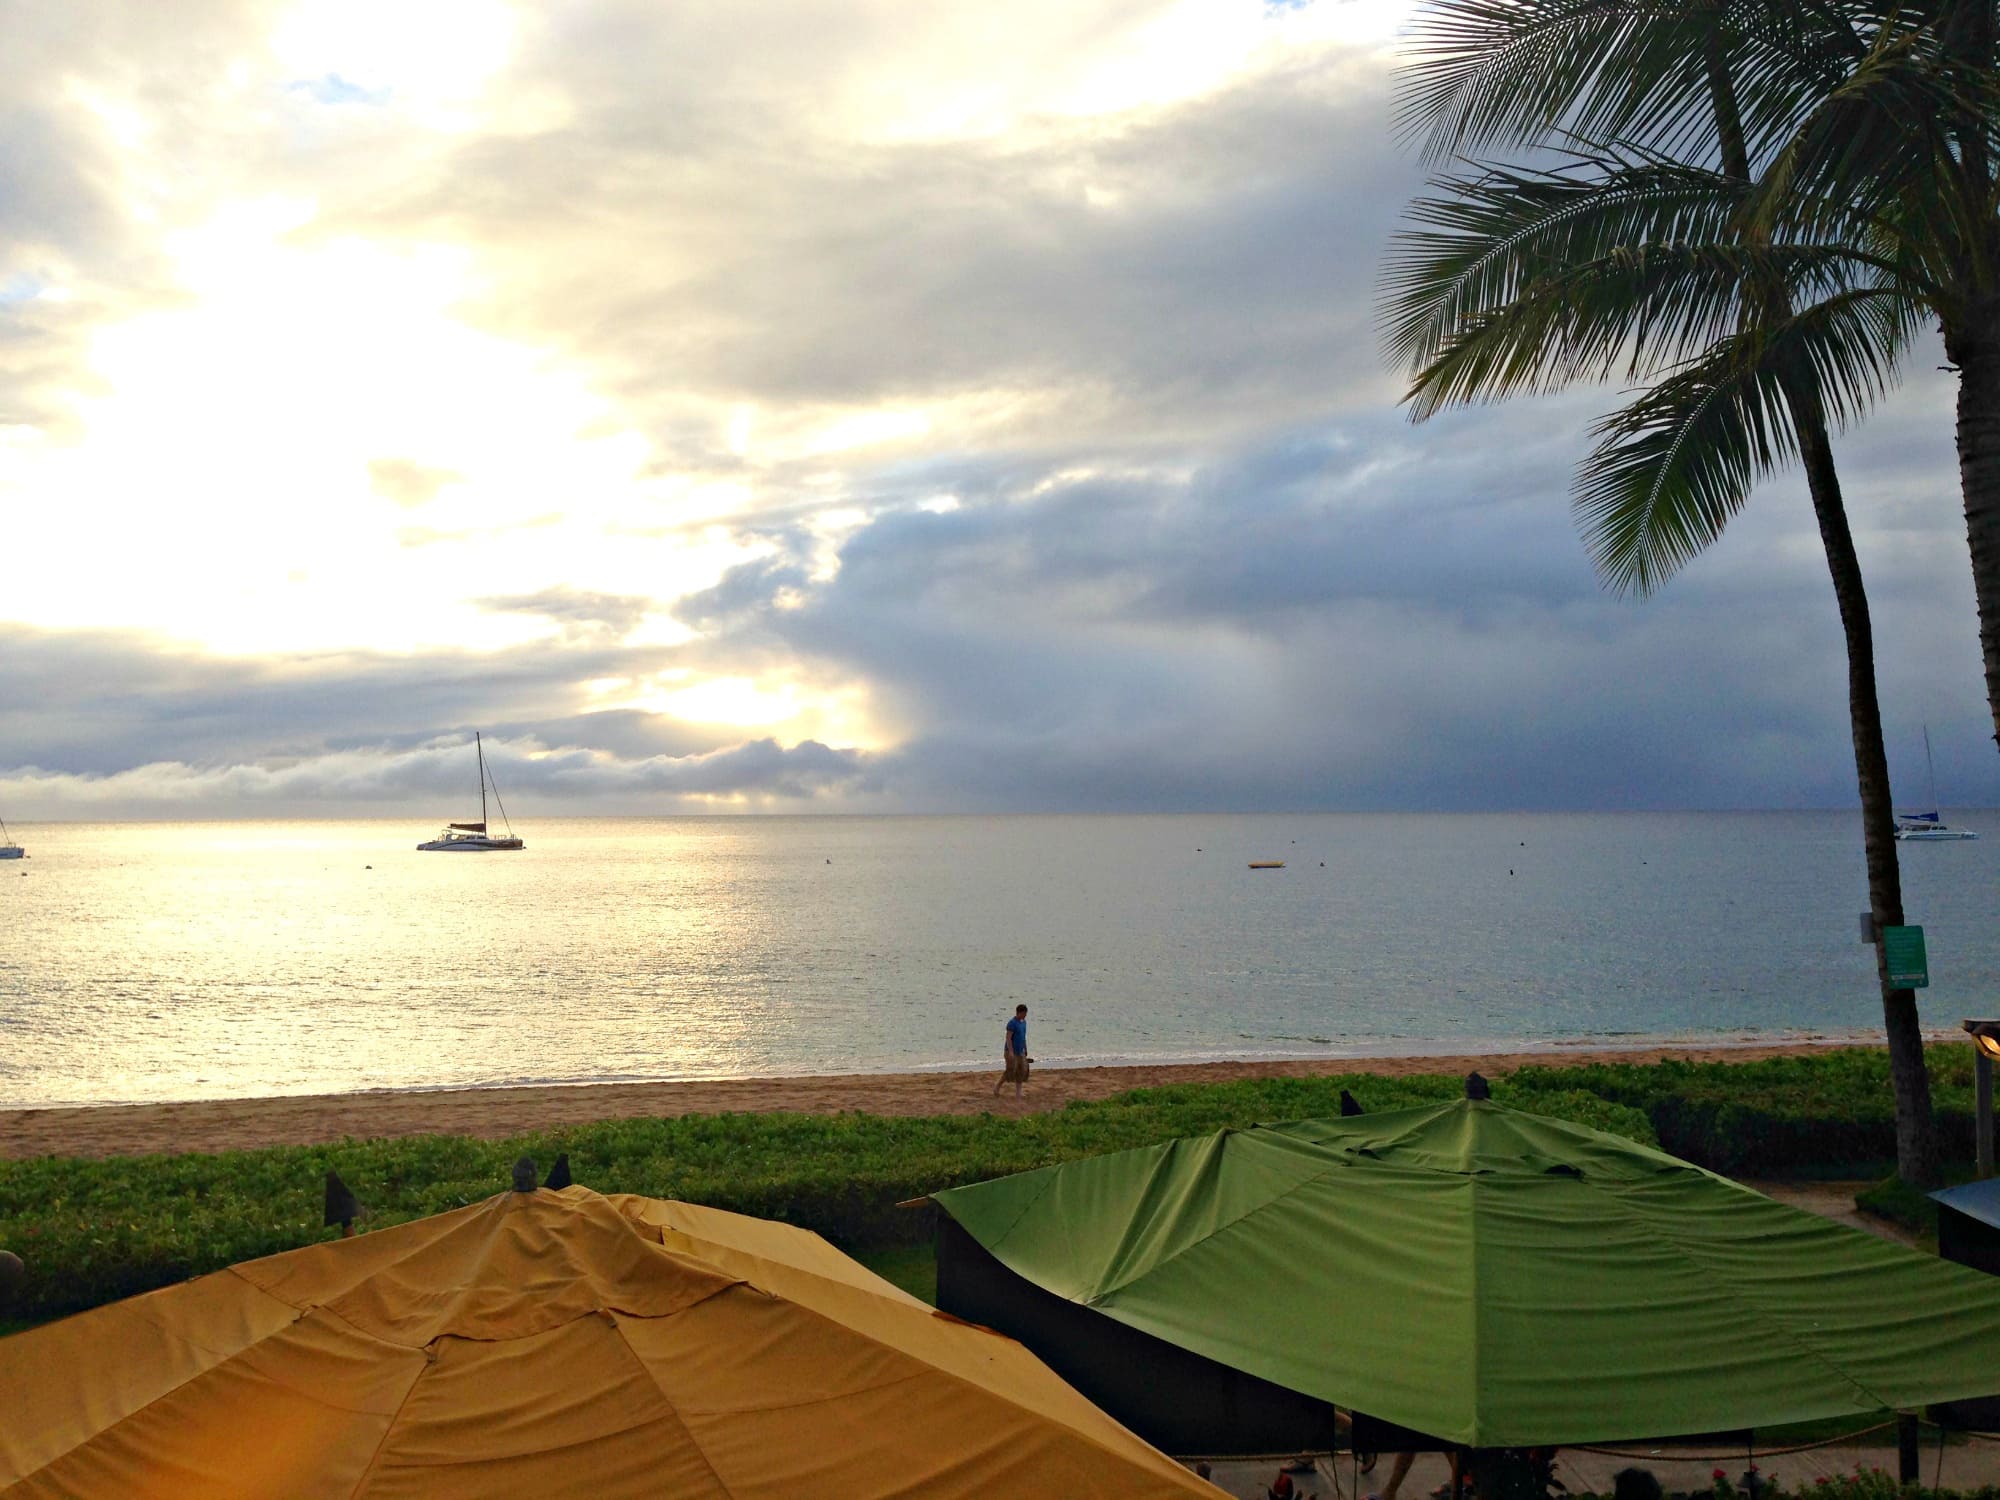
(551, 1343)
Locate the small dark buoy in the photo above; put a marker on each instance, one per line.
(559, 1174)
(1524, 843)
(1477, 1087)
(1349, 1105)
(367, 867)
(1322, 864)
(1510, 872)
(524, 1175)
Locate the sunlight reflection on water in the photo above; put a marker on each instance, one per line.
(161, 961)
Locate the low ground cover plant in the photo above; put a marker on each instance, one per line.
(94, 1231)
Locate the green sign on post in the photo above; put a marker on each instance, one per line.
(1903, 954)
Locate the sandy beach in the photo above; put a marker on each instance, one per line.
(234, 1124)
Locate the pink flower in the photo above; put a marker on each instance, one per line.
(1719, 1474)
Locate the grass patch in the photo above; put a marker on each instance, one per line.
(94, 1231)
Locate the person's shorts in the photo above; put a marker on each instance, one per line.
(1017, 1068)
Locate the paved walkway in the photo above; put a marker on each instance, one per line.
(1966, 1465)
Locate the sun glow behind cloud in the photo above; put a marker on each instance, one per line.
(228, 445)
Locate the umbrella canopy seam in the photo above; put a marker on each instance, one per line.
(1667, 1229)
(1099, 1297)
(179, 1385)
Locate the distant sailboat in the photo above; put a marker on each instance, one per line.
(1927, 827)
(472, 838)
(8, 848)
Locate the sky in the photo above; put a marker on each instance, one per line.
(834, 406)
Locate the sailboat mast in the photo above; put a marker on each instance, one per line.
(1931, 767)
(480, 750)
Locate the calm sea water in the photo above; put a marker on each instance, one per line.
(179, 961)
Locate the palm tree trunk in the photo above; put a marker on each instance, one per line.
(1916, 1135)
(1974, 346)
(1909, 1079)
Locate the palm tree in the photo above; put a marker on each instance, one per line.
(1650, 259)
(1897, 163)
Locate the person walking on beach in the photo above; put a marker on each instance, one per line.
(1014, 1052)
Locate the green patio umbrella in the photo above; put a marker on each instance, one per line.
(1492, 1278)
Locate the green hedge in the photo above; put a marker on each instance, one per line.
(1822, 1113)
(94, 1231)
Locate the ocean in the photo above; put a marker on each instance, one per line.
(158, 961)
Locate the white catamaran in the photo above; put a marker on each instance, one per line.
(8, 848)
(472, 838)
(1927, 827)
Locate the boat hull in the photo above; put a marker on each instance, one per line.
(471, 846)
(12, 851)
(1932, 835)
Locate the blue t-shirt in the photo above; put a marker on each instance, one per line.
(1017, 1036)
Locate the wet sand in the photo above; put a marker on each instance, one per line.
(233, 1124)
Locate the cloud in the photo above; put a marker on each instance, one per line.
(753, 775)
(577, 610)
(985, 408)
(407, 482)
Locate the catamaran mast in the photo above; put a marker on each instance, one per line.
(480, 750)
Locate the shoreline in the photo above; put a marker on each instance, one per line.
(209, 1125)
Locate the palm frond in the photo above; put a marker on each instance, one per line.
(1525, 281)
(1881, 137)
(1482, 73)
(1675, 465)
(1494, 235)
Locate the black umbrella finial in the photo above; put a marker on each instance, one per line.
(1349, 1105)
(1477, 1087)
(559, 1174)
(524, 1175)
(342, 1207)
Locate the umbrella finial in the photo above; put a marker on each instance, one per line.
(1477, 1087)
(524, 1175)
(559, 1174)
(342, 1207)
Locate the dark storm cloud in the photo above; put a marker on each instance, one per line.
(1356, 616)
